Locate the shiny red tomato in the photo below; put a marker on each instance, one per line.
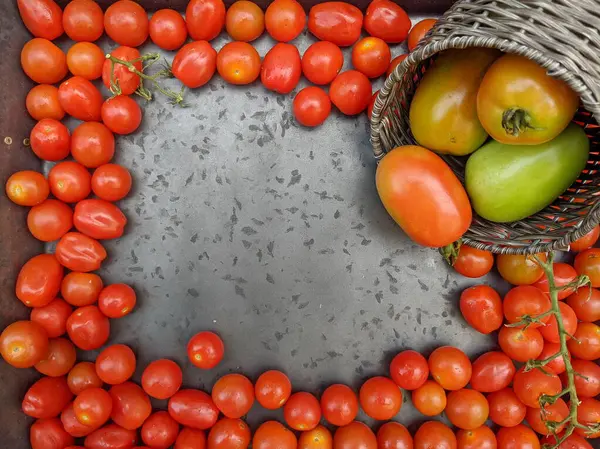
(281, 68)
(49, 220)
(317, 438)
(233, 394)
(193, 408)
(111, 436)
(39, 280)
(92, 407)
(472, 262)
(272, 389)
(450, 367)
(520, 269)
(588, 414)
(81, 289)
(111, 182)
(190, 439)
(321, 62)
(524, 302)
(285, 20)
(302, 411)
(46, 397)
(395, 63)
(52, 317)
(467, 409)
(388, 21)
(588, 262)
(274, 435)
(586, 342)
(564, 274)
(506, 409)
(72, 425)
(586, 241)
(481, 307)
(126, 23)
(521, 344)
(117, 300)
(339, 405)
(59, 359)
(23, 344)
(80, 99)
(371, 56)
(160, 431)
(205, 350)
(49, 431)
(78, 252)
(311, 106)
(195, 64)
(43, 18)
(409, 370)
(393, 435)
(336, 22)
(88, 329)
(537, 418)
(50, 140)
(380, 398)
(238, 63)
(350, 92)
(92, 144)
(530, 385)
(434, 434)
(492, 371)
(43, 62)
(83, 20)
(115, 364)
(83, 376)
(99, 219)
(205, 19)
(70, 181)
(131, 406)
(587, 383)
(245, 21)
(167, 29)
(429, 398)
(585, 302)
(573, 441)
(27, 188)
(355, 435)
(418, 32)
(229, 433)
(42, 102)
(550, 330)
(86, 60)
(120, 75)
(557, 365)
(481, 438)
(121, 114)
(518, 436)
(162, 379)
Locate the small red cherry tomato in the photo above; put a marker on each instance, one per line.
(588, 262)
(168, 29)
(205, 19)
(351, 92)
(272, 389)
(238, 63)
(409, 370)
(337, 22)
(92, 144)
(233, 394)
(160, 431)
(193, 408)
(80, 99)
(321, 62)
(88, 328)
(245, 21)
(70, 182)
(285, 20)
(50, 140)
(111, 435)
(38, 281)
(311, 106)
(472, 262)
(86, 59)
(52, 317)
(81, 289)
(131, 406)
(83, 20)
(569, 318)
(43, 62)
(115, 364)
(492, 371)
(418, 32)
(371, 56)
(162, 379)
(42, 102)
(43, 18)
(281, 68)
(586, 241)
(126, 23)
(111, 182)
(195, 64)
(83, 376)
(564, 274)
(585, 302)
(524, 303)
(205, 350)
(450, 367)
(380, 398)
(388, 21)
(121, 114)
(78, 252)
(117, 300)
(302, 411)
(127, 81)
(339, 405)
(521, 344)
(27, 188)
(23, 344)
(481, 307)
(92, 407)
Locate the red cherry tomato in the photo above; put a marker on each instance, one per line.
(131, 406)
(160, 430)
(52, 317)
(78, 252)
(42, 102)
(450, 367)
(190, 439)
(50, 140)
(388, 21)
(530, 385)
(121, 114)
(481, 307)
(371, 56)
(233, 394)
(393, 435)
(126, 23)
(350, 92)
(409, 370)
(573, 441)
(587, 383)
(80, 99)
(281, 68)
(564, 274)
(467, 409)
(395, 63)
(127, 81)
(272, 389)
(88, 329)
(588, 262)
(518, 436)
(205, 350)
(115, 364)
(39, 280)
(99, 219)
(272, 434)
(111, 435)
(205, 19)
(285, 20)
(317, 438)
(167, 29)
(86, 60)
(238, 63)
(47, 397)
(557, 365)
(380, 398)
(59, 359)
(550, 330)
(43, 18)
(117, 300)
(321, 62)
(50, 220)
(302, 411)
(311, 106)
(586, 241)
(43, 62)
(418, 32)
(27, 188)
(195, 64)
(336, 22)
(520, 269)
(83, 20)
(434, 434)
(506, 409)
(229, 433)
(585, 302)
(83, 376)
(245, 21)
(92, 407)
(537, 418)
(472, 262)
(72, 425)
(481, 438)
(429, 398)
(355, 435)
(193, 408)
(524, 302)
(339, 405)
(111, 182)
(92, 144)
(492, 371)
(50, 430)
(521, 344)
(81, 289)
(162, 379)
(585, 343)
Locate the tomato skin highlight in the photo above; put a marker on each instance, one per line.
(318, 438)
(43, 18)
(205, 19)
(481, 307)
(521, 344)
(281, 68)
(83, 376)
(336, 22)
(195, 64)
(193, 408)
(59, 359)
(38, 281)
(423, 196)
(229, 433)
(388, 21)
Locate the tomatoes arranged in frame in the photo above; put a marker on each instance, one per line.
(467, 409)
(80, 99)
(588, 262)
(521, 344)
(43, 62)
(193, 408)
(229, 433)
(162, 378)
(83, 376)
(350, 92)
(371, 56)
(81, 289)
(99, 219)
(131, 406)
(46, 398)
(233, 394)
(481, 307)
(281, 68)
(83, 20)
(585, 302)
(530, 385)
(205, 19)
(78, 252)
(506, 409)
(354, 436)
(321, 62)
(380, 398)
(564, 274)
(52, 317)
(50, 220)
(159, 430)
(167, 29)
(86, 60)
(205, 350)
(339, 405)
(92, 407)
(92, 144)
(337, 22)
(43, 18)
(121, 114)
(50, 140)
(525, 304)
(39, 280)
(126, 23)
(49, 430)
(418, 32)
(388, 21)
(244, 21)
(27, 188)
(393, 435)
(434, 434)
(88, 329)
(472, 262)
(409, 369)
(111, 435)
(111, 182)
(271, 434)
(272, 389)
(115, 364)
(195, 64)
(285, 20)
(238, 63)
(117, 300)
(59, 359)
(311, 106)
(127, 81)
(42, 102)
(492, 371)
(450, 367)
(317, 438)
(302, 411)
(586, 241)
(429, 399)
(520, 269)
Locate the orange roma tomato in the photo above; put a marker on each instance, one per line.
(550, 330)
(520, 269)
(162, 379)
(481, 438)
(371, 56)
(83, 376)
(281, 68)
(585, 302)
(521, 344)
(193, 408)
(42, 102)
(388, 21)
(121, 114)
(52, 317)
(272, 434)
(160, 431)
(481, 307)
(393, 435)
(321, 62)
(27, 188)
(43, 61)
(518, 436)
(69, 181)
(39, 280)
(433, 212)
(115, 364)
(81, 289)
(92, 144)
(380, 398)
(450, 367)
(238, 63)
(83, 20)
(395, 63)
(409, 370)
(472, 262)
(88, 328)
(205, 19)
(506, 409)
(85, 59)
(336, 22)
(302, 411)
(80, 99)
(168, 29)
(272, 389)
(492, 371)
(59, 360)
(190, 438)
(117, 300)
(126, 23)
(537, 417)
(530, 385)
(92, 407)
(588, 262)
(49, 430)
(131, 406)
(317, 438)
(339, 405)
(351, 92)
(285, 20)
(99, 219)
(429, 398)
(229, 433)
(23, 344)
(586, 241)
(111, 182)
(434, 434)
(43, 18)
(46, 397)
(50, 140)
(418, 32)
(127, 81)
(245, 21)
(467, 409)
(355, 435)
(111, 435)
(526, 301)
(564, 274)
(78, 252)
(195, 64)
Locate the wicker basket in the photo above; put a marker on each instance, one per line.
(563, 36)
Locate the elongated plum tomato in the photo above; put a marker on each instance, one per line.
(336, 22)
(121, 114)
(99, 219)
(168, 29)
(423, 196)
(205, 19)
(78, 252)
(49, 430)
(351, 92)
(321, 62)
(245, 21)
(281, 68)
(193, 408)
(388, 21)
(83, 20)
(533, 110)
(238, 63)
(339, 404)
(586, 241)
(131, 406)
(80, 99)
(311, 106)
(492, 371)
(43, 18)
(39, 280)
(126, 80)
(27, 188)
(126, 23)
(285, 20)
(481, 307)
(46, 397)
(585, 343)
(23, 344)
(43, 61)
(111, 435)
(42, 102)
(195, 64)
